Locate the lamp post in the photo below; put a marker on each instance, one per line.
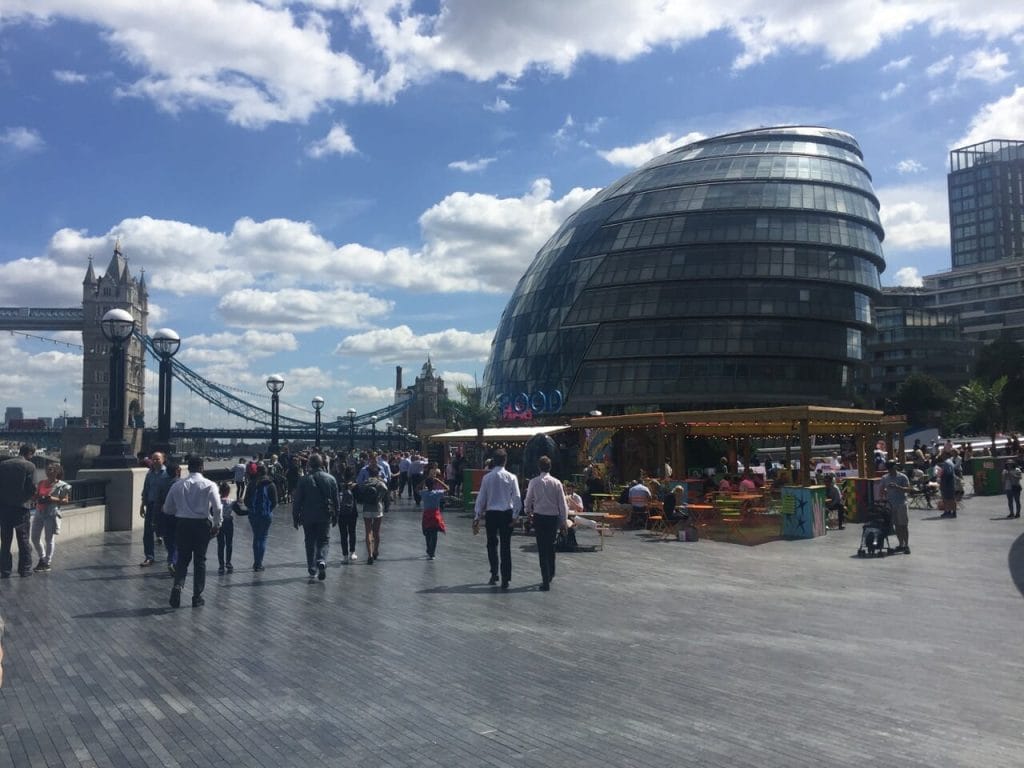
(373, 435)
(275, 384)
(318, 404)
(351, 430)
(389, 424)
(167, 343)
(117, 326)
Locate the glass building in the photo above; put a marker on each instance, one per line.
(738, 270)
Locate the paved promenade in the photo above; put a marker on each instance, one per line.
(646, 654)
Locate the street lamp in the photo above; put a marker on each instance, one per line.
(166, 343)
(351, 430)
(117, 326)
(318, 403)
(373, 435)
(389, 424)
(275, 384)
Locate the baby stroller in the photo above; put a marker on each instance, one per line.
(874, 539)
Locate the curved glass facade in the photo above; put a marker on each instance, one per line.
(739, 270)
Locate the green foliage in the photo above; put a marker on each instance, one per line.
(980, 406)
(1003, 357)
(920, 395)
(471, 411)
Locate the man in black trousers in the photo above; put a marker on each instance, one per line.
(194, 501)
(545, 500)
(17, 487)
(315, 508)
(499, 504)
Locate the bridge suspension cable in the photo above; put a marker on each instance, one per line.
(220, 397)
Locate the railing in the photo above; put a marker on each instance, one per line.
(89, 493)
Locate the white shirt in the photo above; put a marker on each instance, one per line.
(545, 496)
(498, 490)
(194, 497)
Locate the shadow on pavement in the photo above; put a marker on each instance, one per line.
(125, 613)
(1016, 562)
(474, 589)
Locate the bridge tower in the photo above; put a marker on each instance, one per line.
(116, 289)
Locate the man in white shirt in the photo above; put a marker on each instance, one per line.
(194, 501)
(499, 504)
(545, 500)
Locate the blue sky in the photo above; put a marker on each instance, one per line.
(331, 188)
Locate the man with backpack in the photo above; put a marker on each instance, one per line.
(260, 498)
(315, 508)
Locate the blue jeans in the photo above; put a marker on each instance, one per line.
(260, 533)
(225, 538)
(149, 533)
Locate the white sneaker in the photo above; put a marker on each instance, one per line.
(353, 556)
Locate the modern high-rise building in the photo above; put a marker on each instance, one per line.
(986, 217)
(986, 203)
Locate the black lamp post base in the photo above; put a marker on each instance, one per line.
(115, 454)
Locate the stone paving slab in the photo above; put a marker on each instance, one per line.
(649, 653)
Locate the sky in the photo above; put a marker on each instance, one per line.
(327, 189)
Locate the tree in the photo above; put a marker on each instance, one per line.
(472, 410)
(980, 406)
(920, 395)
(1004, 357)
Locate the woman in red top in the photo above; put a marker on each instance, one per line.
(50, 494)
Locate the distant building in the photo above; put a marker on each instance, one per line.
(913, 337)
(424, 416)
(13, 413)
(986, 218)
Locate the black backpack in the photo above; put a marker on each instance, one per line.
(366, 493)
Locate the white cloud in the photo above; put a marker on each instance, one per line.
(22, 139)
(377, 396)
(477, 237)
(989, 66)
(939, 67)
(454, 378)
(469, 166)
(336, 142)
(69, 76)
(914, 216)
(1001, 119)
(638, 154)
(498, 106)
(898, 64)
(393, 345)
(908, 277)
(909, 166)
(893, 92)
(250, 342)
(301, 309)
(284, 60)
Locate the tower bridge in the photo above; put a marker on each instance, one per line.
(118, 289)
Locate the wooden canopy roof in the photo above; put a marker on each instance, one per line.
(755, 422)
